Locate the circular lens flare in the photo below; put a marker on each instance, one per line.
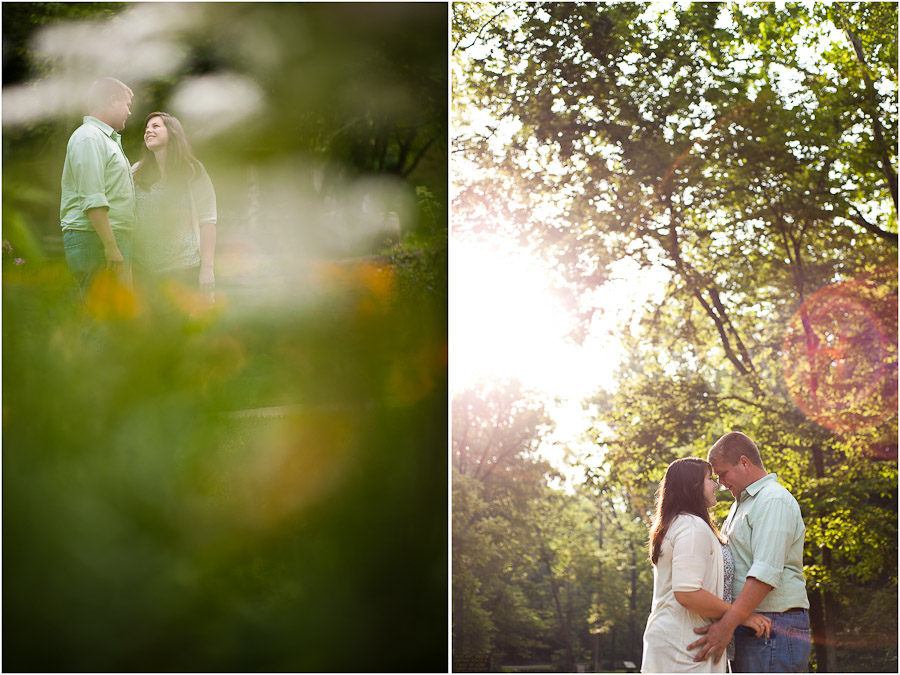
(840, 353)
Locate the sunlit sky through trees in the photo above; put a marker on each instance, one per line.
(506, 316)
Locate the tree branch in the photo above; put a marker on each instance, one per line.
(871, 108)
(477, 35)
(857, 217)
(723, 335)
(418, 156)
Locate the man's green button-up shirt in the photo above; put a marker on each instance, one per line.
(765, 534)
(96, 174)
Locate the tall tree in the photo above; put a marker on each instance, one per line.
(497, 483)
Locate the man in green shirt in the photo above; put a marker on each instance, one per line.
(765, 533)
(97, 205)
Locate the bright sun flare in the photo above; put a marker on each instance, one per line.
(505, 323)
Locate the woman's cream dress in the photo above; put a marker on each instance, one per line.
(690, 559)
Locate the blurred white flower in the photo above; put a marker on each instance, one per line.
(211, 104)
(142, 43)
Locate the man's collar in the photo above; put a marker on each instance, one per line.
(108, 130)
(753, 489)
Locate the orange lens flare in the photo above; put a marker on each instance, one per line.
(839, 354)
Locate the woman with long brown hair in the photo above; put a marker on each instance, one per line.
(175, 209)
(689, 570)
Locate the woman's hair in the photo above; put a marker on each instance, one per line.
(181, 165)
(680, 491)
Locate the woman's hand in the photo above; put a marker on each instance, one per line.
(759, 624)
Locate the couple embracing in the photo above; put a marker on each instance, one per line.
(739, 592)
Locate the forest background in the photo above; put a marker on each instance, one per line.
(260, 485)
(749, 153)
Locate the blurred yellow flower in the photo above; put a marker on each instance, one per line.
(371, 285)
(110, 299)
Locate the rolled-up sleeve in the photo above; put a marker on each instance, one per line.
(690, 556)
(770, 541)
(89, 173)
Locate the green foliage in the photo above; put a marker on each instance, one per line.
(497, 484)
(421, 258)
(530, 583)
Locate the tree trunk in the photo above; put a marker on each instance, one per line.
(817, 626)
(569, 617)
(459, 639)
(632, 606)
(824, 635)
(567, 640)
(831, 612)
(612, 649)
(599, 584)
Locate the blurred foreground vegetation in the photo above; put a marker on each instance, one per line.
(149, 526)
(259, 485)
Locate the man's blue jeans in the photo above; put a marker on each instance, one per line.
(787, 649)
(85, 257)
